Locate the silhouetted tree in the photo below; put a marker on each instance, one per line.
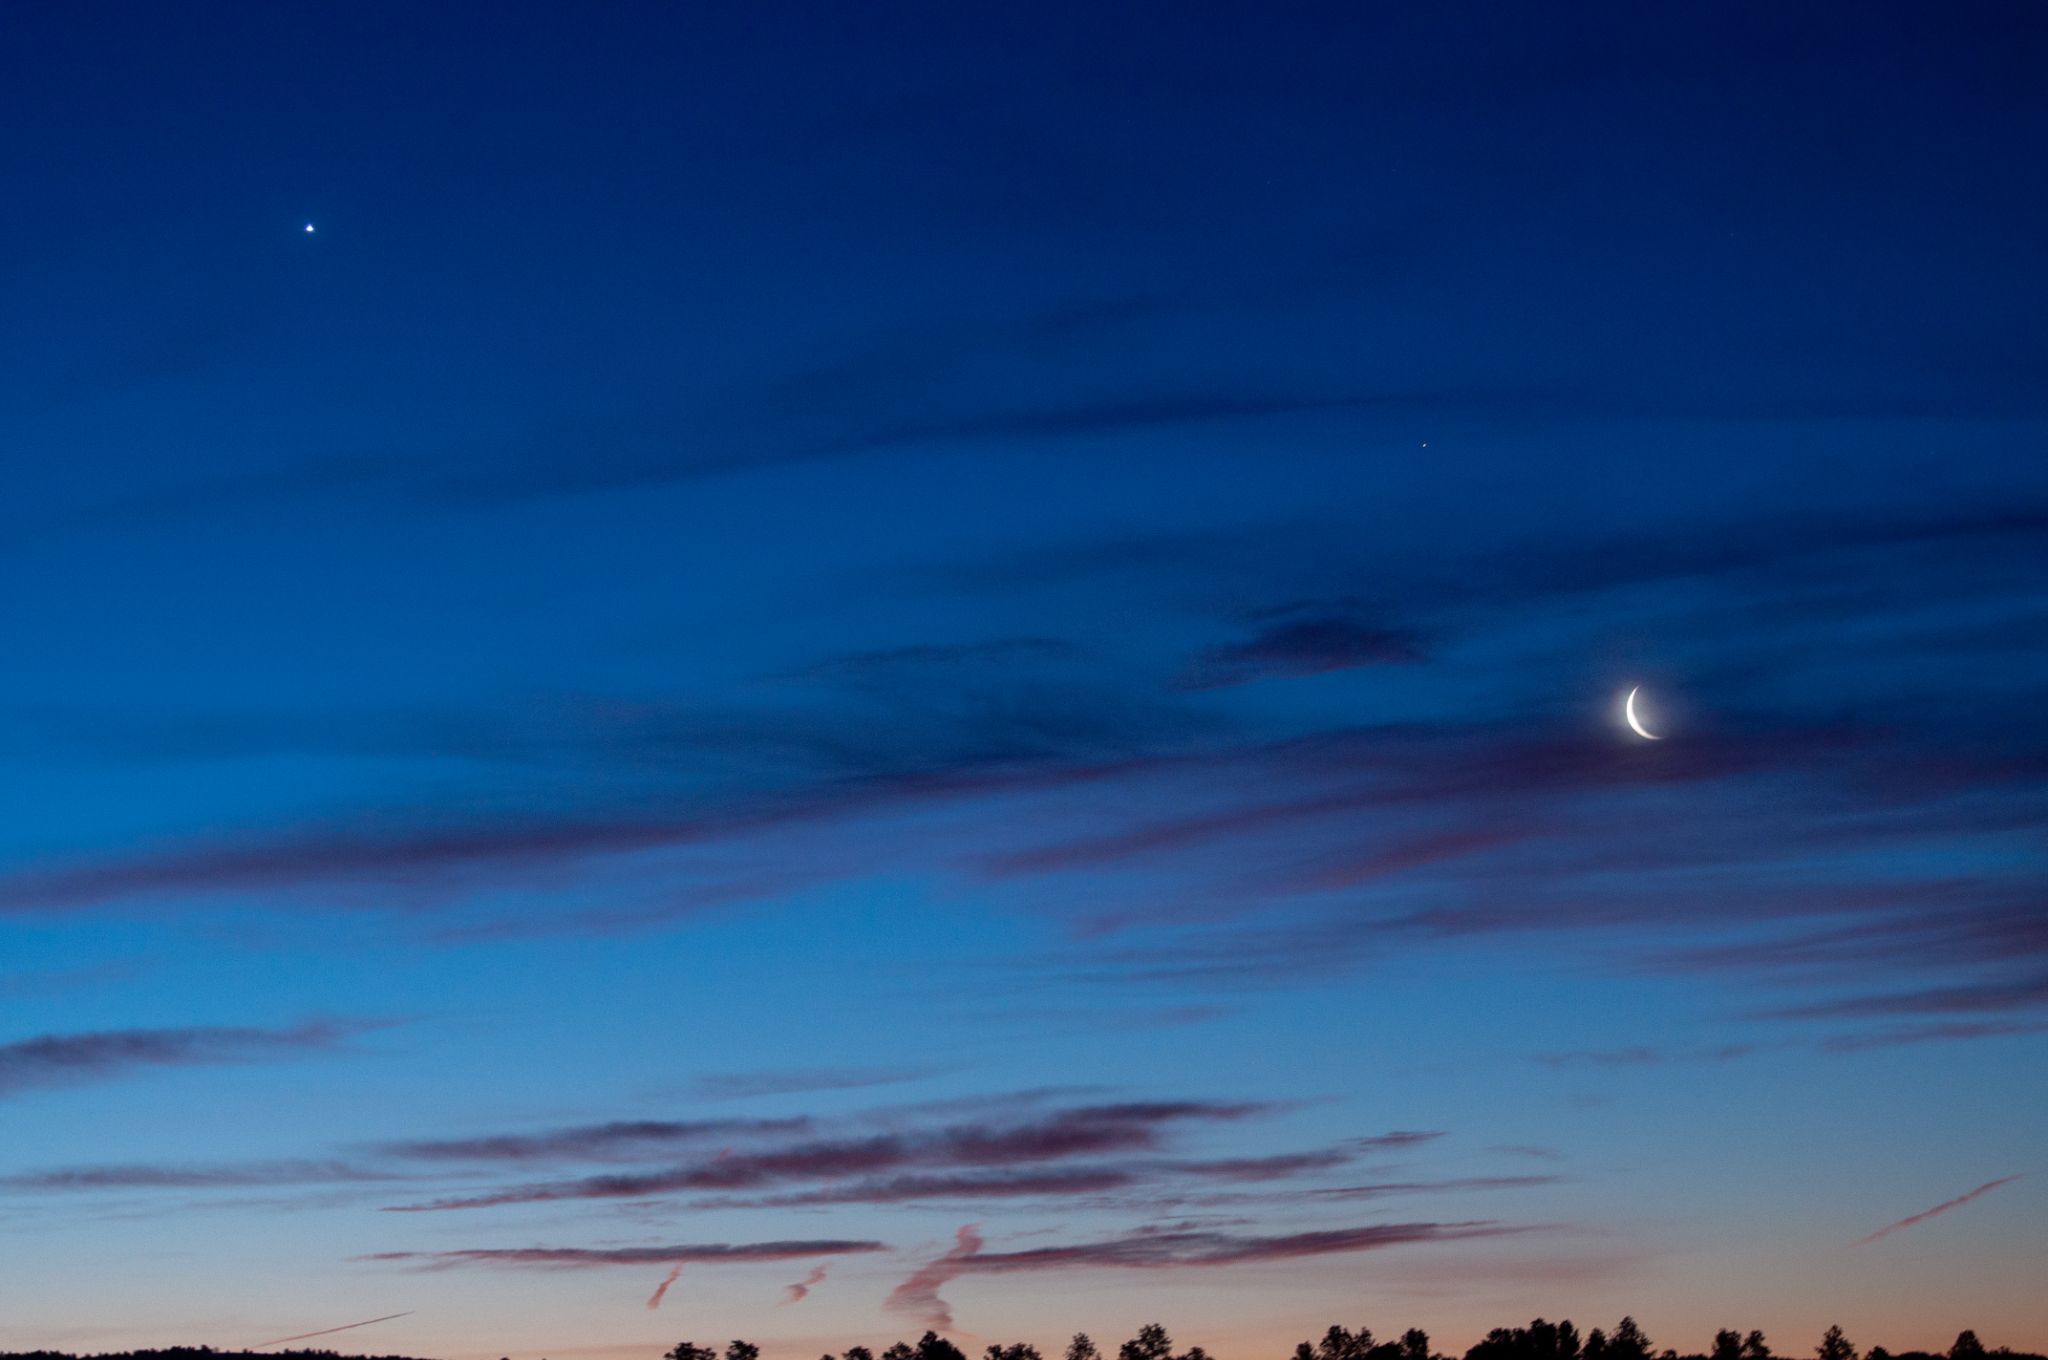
(859, 1353)
(1019, 1350)
(1835, 1346)
(1498, 1344)
(1596, 1345)
(1967, 1347)
(1540, 1340)
(932, 1346)
(1151, 1343)
(1340, 1344)
(1727, 1346)
(1627, 1342)
(1754, 1347)
(900, 1351)
(1877, 1353)
(746, 1350)
(685, 1350)
(1414, 1344)
(1081, 1348)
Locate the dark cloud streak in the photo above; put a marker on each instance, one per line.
(70, 1059)
(919, 1294)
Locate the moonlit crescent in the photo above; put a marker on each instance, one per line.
(1629, 709)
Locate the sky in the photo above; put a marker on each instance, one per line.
(962, 666)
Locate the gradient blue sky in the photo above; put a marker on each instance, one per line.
(980, 646)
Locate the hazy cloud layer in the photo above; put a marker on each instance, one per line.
(1305, 850)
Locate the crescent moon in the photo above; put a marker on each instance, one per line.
(1629, 710)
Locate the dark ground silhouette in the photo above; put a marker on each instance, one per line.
(1540, 1340)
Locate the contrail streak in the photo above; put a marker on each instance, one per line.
(662, 1288)
(329, 1331)
(1941, 1208)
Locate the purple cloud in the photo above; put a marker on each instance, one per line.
(801, 1290)
(621, 1138)
(593, 1258)
(918, 1295)
(143, 1176)
(1399, 1138)
(1079, 1131)
(2028, 994)
(908, 1189)
(1422, 1187)
(69, 1059)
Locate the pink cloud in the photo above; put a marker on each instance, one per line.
(801, 1290)
(660, 1290)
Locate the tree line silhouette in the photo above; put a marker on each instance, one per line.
(1540, 1340)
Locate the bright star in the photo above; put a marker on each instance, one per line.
(309, 229)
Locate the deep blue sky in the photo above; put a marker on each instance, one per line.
(1036, 597)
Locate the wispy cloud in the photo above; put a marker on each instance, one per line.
(1941, 1032)
(1275, 1166)
(1068, 1181)
(1078, 1131)
(594, 1258)
(1533, 1151)
(145, 1176)
(619, 1138)
(892, 664)
(69, 1059)
(941, 1187)
(754, 1085)
(801, 1290)
(1315, 645)
(1399, 1138)
(661, 1290)
(1642, 1056)
(919, 1296)
(2027, 994)
(1287, 851)
(1384, 1188)
(1888, 1229)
